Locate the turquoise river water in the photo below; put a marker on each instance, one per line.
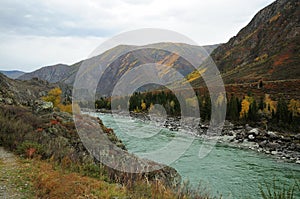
(228, 171)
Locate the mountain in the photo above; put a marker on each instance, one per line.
(168, 65)
(51, 74)
(268, 48)
(14, 74)
(131, 56)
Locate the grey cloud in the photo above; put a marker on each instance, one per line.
(34, 18)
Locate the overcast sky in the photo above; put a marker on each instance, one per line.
(35, 33)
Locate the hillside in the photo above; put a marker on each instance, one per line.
(268, 48)
(17, 92)
(51, 74)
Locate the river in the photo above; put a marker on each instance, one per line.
(228, 171)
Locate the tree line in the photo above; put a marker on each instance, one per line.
(267, 112)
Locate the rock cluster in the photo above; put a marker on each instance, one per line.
(282, 145)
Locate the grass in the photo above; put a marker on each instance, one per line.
(37, 178)
(281, 191)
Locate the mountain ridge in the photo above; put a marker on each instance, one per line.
(65, 73)
(14, 74)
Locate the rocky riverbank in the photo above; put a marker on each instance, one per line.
(283, 146)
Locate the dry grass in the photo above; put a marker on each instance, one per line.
(49, 182)
(45, 179)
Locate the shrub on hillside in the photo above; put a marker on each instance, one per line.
(30, 149)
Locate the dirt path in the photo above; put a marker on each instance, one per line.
(8, 164)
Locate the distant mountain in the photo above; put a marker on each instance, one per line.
(14, 74)
(51, 74)
(127, 57)
(268, 48)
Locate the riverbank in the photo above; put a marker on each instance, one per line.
(280, 145)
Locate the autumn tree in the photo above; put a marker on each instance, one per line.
(294, 107)
(246, 102)
(54, 96)
(269, 105)
(143, 105)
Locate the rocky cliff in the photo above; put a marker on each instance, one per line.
(267, 48)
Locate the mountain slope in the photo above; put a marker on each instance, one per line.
(267, 48)
(51, 74)
(14, 74)
(67, 74)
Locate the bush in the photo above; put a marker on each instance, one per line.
(13, 127)
(30, 149)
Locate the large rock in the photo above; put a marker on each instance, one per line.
(254, 131)
(41, 106)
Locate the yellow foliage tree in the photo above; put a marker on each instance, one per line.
(270, 105)
(54, 96)
(294, 107)
(220, 100)
(151, 108)
(143, 105)
(246, 106)
(172, 104)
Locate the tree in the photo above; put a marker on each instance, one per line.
(252, 114)
(143, 105)
(247, 101)
(205, 107)
(294, 107)
(233, 108)
(270, 105)
(53, 96)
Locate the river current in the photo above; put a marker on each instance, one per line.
(226, 170)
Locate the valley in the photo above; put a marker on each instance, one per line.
(230, 124)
